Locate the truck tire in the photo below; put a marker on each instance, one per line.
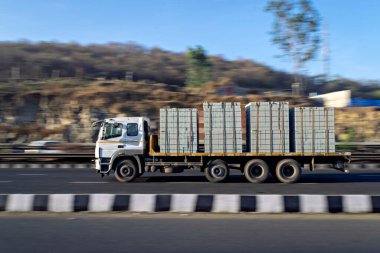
(288, 171)
(126, 171)
(217, 171)
(256, 171)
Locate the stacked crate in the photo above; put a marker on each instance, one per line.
(178, 130)
(222, 127)
(267, 127)
(313, 129)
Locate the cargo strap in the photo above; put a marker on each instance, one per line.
(177, 139)
(301, 121)
(270, 127)
(234, 129)
(257, 126)
(166, 131)
(191, 130)
(210, 126)
(313, 129)
(327, 129)
(283, 127)
(224, 126)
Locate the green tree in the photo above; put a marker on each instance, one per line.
(295, 31)
(198, 67)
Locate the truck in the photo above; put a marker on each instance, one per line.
(126, 147)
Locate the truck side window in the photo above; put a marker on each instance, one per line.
(132, 129)
(113, 131)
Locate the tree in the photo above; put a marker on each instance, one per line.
(198, 67)
(295, 31)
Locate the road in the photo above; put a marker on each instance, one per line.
(54, 180)
(193, 233)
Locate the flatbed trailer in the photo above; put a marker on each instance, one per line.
(129, 151)
(239, 160)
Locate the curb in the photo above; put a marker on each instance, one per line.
(47, 165)
(187, 203)
(92, 165)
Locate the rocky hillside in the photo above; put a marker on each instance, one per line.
(65, 112)
(25, 60)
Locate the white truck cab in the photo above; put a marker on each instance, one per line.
(120, 137)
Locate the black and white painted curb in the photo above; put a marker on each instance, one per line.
(47, 166)
(92, 166)
(187, 203)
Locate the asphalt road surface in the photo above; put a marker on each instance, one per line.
(194, 233)
(47, 181)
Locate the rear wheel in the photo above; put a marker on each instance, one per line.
(288, 171)
(126, 171)
(256, 171)
(217, 171)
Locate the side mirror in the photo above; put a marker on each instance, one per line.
(96, 123)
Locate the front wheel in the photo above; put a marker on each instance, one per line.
(216, 171)
(126, 171)
(288, 171)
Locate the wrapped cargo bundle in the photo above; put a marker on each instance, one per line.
(267, 126)
(312, 129)
(179, 130)
(222, 127)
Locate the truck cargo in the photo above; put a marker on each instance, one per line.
(312, 129)
(179, 130)
(267, 126)
(222, 127)
(279, 142)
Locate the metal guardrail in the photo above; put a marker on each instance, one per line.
(362, 157)
(60, 157)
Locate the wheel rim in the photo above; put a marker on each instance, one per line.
(126, 171)
(256, 171)
(288, 171)
(218, 172)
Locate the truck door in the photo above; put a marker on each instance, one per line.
(134, 138)
(146, 136)
(111, 139)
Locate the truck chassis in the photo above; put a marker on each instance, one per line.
(256, 167)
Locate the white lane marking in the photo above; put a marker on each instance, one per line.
(183, 182)
(32, 174)
(6, 181)
(88, 182)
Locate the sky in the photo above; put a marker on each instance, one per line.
(234, 29)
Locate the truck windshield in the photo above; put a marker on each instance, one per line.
(112, 131)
